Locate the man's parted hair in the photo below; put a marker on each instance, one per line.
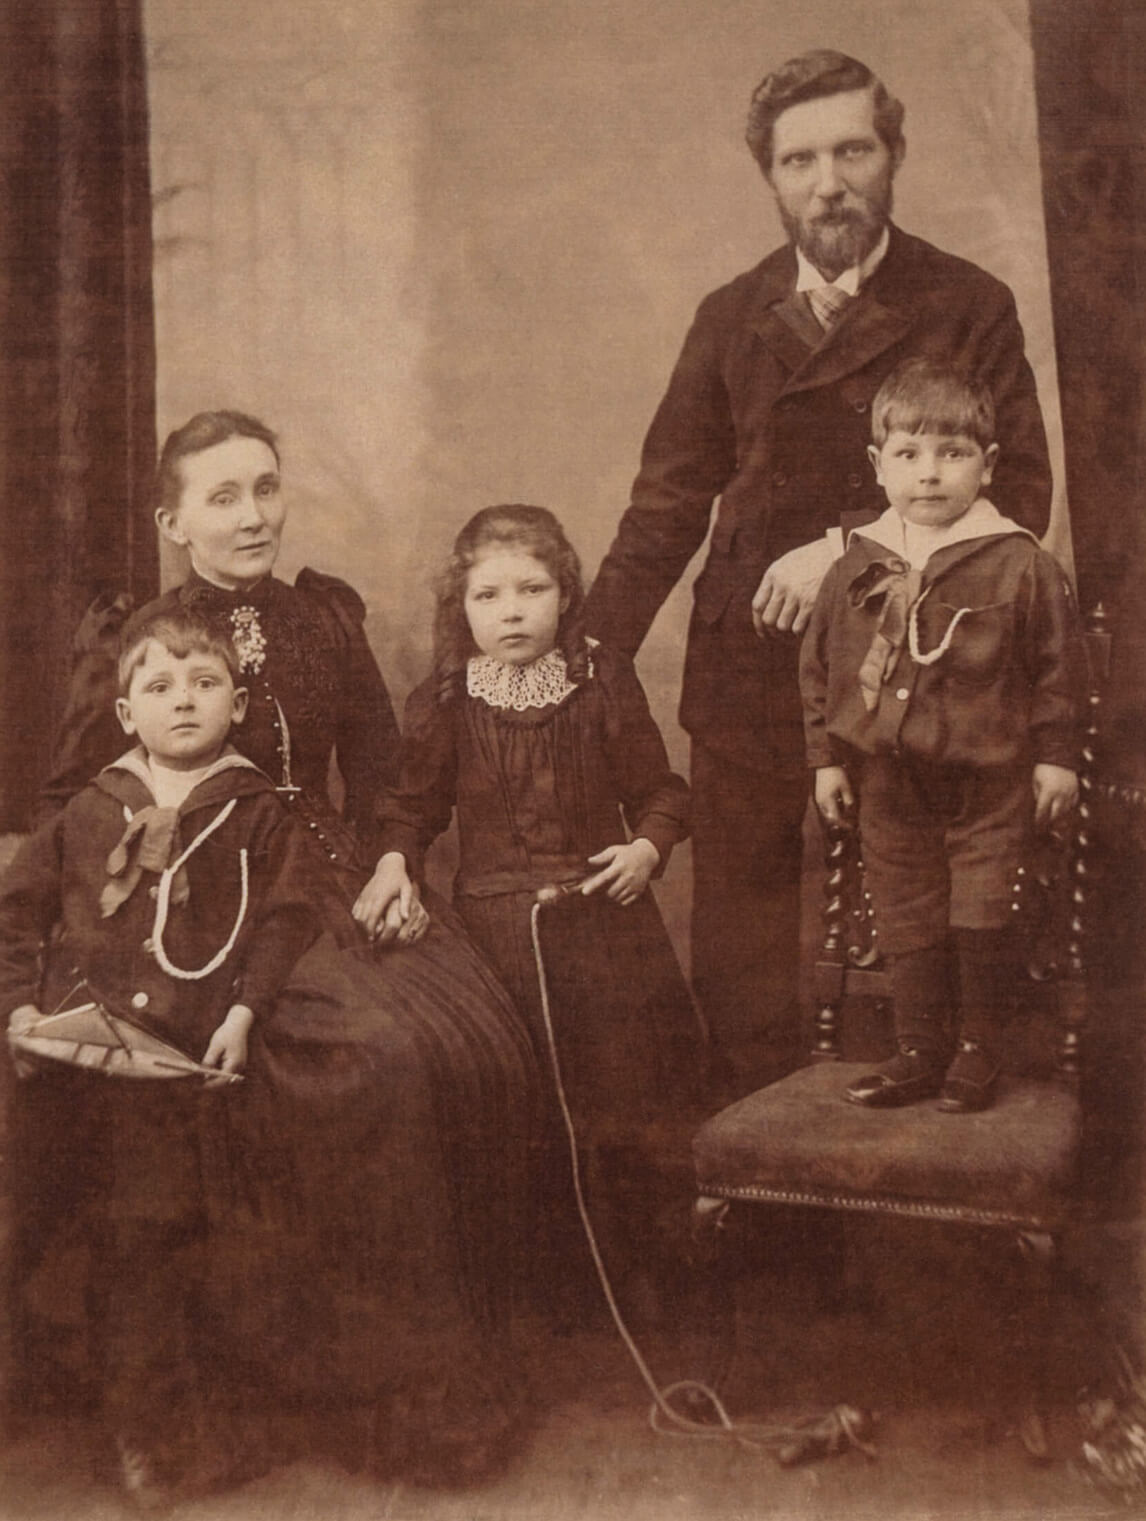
(925, 396)
(181, 633)
(812, 76)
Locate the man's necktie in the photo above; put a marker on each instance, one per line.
(828, 303)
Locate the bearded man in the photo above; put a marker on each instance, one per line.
(768, 411)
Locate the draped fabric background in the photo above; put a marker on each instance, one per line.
(77, 352)
(1091, 72)
(1090, 58)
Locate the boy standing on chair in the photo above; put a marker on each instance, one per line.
(942, 680)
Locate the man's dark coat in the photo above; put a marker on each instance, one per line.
(775, 424)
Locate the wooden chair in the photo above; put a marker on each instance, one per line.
(1012, 1167)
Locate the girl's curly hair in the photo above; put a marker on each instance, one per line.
(537, 532)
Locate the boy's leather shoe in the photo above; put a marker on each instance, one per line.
(910, 1075)
(970, 1082)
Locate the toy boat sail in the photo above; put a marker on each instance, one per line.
(88, 1036)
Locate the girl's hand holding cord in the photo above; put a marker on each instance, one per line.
(627, 870)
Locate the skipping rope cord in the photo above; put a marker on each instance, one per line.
(842, 1425)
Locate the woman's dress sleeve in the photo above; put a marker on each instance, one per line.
(367, 739)
(418, 807)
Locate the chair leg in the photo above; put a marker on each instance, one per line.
(714, 1309)
(839, 892)
(1035, 1326)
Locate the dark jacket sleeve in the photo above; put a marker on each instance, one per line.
(689, 456)
(29, 907)
(418, 807)
(89, 736)
(1056, 665)
(1022, 483)
(285, 922)
(654, 798)
(814, 672)
(367, 741)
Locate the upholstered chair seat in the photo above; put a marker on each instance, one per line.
(799, 1141)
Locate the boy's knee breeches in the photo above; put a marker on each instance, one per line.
(941, 847)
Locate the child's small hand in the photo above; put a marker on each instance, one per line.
(20, 1021)
(1056, 793)
(385, 904)
(227, 1048)
(628, 869)
(834, 796)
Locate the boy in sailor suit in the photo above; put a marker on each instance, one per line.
(171, 892)
(942, 676)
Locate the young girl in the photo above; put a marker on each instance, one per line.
(544, 743)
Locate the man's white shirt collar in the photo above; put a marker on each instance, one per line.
(808, 277)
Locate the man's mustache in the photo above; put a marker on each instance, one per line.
(839, 216)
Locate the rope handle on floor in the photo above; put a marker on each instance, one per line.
(797, 1442)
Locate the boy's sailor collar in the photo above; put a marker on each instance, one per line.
(982, 520)
(134, 763)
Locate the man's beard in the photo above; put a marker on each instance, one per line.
(839, 238)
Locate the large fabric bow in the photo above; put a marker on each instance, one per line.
(152, 833)
(899, 585)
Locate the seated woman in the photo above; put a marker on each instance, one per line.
(379, 1147)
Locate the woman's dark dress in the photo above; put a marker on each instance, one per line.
(537, 793)
(381, 1137)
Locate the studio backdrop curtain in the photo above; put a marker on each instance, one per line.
(77, 352)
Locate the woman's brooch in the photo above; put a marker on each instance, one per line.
(249, 639)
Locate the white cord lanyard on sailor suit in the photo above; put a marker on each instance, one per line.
(163, 903)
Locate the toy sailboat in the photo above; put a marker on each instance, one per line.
(88, 1036)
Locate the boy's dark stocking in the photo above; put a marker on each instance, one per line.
(988, 978)
(920, 982)
(156, 1397)
(921, 988)
(988, 974)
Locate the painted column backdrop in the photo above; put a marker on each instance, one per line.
(450, 250)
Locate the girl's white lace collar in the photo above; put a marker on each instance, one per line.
(540, 684)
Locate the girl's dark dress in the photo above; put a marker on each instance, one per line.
(390, 1095)
(538, 791)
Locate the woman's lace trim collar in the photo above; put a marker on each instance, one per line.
(541, 684)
